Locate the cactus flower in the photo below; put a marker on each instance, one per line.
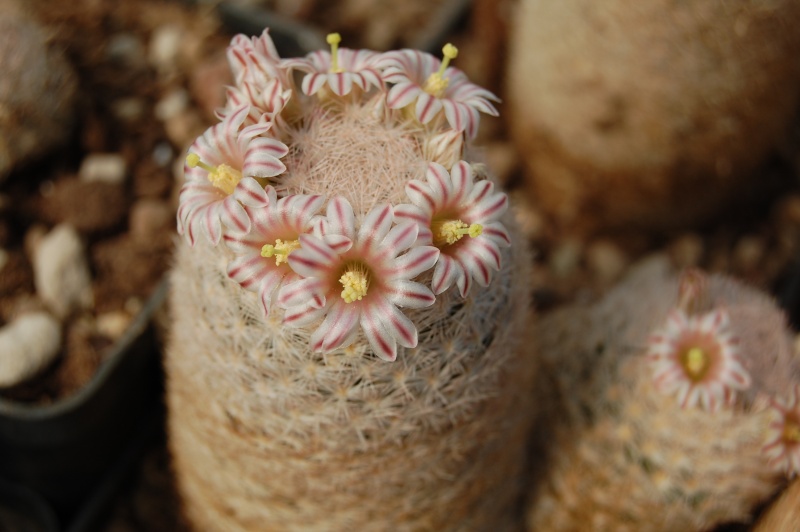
(783, 439)
(261, 263)
(696, 358)
(340, 69)
(429, 84)
(220, 171)
(360, 285)
(459, 217)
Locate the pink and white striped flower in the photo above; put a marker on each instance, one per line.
(340, 69)
(255, 60)
(220, 171)
(783, 436)
(358, 280)
(266, 102)
(261, 263)
(432, 86)
(260, 80)
(696, 357)
(450, 207)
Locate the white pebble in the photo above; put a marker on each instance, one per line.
(125, 47)
(112, 324)
(27, 345)
(565, 258)
(105, 167)
(606, 260)
(172, 105)
(61, 272)
(165, 45)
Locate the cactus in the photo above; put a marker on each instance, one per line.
(680, 405)
(347, 310)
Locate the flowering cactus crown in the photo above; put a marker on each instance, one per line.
(298, 185)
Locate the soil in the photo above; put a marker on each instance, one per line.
(150, 75)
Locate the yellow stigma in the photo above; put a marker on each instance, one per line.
(223, 176)
(334, 39)
(451, 231)
(355, 282)
(695, 361)
(436, 83)
(280, 250)
(791, 432)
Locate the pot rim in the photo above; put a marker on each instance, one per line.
(62, 406)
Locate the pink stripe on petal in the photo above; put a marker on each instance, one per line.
(480, 191)
(400, 238)
(247, 270)
(250, 193)
(498, 233)
(413, 263)
(375, 226)
(463, 279)
(334, 326)
(338, 243)
(308, 291)
(234, 216)
(302, 316)
(445, 274)
(461, 178)
(487, 250)
(410, 213)
(472, 121)
(410, 294)
(273, 147)
(317, 249)
(427, 107)
(382, 343)
(262, 164)
(402, 94)
(421, 195)
(454, 116)
(490, 209)
(439, 181)
(313, 83)
(341, 83)
(341, 217)
(211, 225)
(397, 324)
(306, 266)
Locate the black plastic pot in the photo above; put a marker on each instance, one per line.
(63, 450)
(22, 510)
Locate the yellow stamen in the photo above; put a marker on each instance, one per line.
(334, 39)
(451, 231)
(280, 250)
(791, 432)
(696, 362)
(224, 177)
(355, 282)
(436, 83)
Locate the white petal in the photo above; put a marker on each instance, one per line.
(341, 219)
(409, 294)
(383, 344)
(375, 227)
(445, 274)
(427, 107)
(250, 193)
(310, 291)
(302, 315)
(314, 258)
(413, 263)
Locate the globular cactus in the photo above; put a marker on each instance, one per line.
(680, 405)
(347, 310)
